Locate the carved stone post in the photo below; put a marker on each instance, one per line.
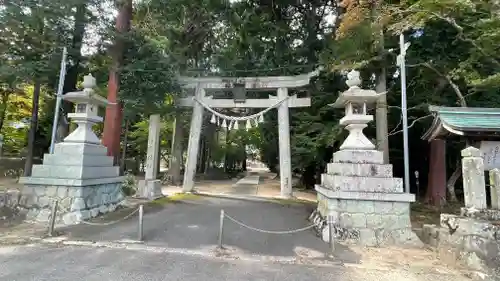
(150, 187)
(473, 178)
(495, 188)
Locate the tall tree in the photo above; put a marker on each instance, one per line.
(113, 119)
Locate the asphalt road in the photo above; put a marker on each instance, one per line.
(194, 225)
(53, 263)
(180, 240)
(80, 263)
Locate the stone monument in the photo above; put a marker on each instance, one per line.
(358, 193)
(79, 174)
(150, 187)
(473, 236)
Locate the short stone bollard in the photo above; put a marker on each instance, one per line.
(140, 230)
(52, 221)
(221, 228)
(331, 234)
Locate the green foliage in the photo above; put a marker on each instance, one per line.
(129, 185)
(138, 142)
(16, 113)
(148, 77)
(453, 60)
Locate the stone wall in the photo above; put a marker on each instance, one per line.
(9, 198)
(471, 239)
(74, 203)
(367, 222)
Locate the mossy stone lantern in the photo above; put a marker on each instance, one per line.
(356, 102)
(87, 103)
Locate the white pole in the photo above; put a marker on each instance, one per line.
(62, 75)
(402, 66)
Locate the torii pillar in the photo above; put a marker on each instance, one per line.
(280, 84)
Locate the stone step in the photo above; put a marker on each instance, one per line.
(73, 172)
(360, 170)
(80, 148)
(358, 156)
(366, 184)
(78, 160)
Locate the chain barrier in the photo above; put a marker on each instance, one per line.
(55, 208)
(268, 231)
(111, 222)
(313, 216)
(103, 223)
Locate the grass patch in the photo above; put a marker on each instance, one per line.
(425, 214)
(294, 201)
(178, 197)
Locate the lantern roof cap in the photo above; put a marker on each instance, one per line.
(87, 95)
(355, 94)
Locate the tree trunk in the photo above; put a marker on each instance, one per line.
(114, 116)
(5, 100)
(74, 55)
(32, 132)
(450, 185)
(436, 187)
(176, 153)
(381, 86)
(124, 149)
(226, 158)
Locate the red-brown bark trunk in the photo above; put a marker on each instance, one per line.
(436, 187)
(113, 119)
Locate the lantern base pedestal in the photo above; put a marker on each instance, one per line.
(80, 176)
(356, 139)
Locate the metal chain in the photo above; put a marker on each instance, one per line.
(111, 222)
(268, 231)
(104, 223)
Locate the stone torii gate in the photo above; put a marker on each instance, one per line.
(280, 84)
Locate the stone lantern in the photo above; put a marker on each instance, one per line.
(87, 103)
(358, 194)
(79, 174)
(356, 102)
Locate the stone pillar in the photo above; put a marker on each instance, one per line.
(495, 188)
(176, 157)
(194, 142)
(150, 187)
(284, 145)
(473, 178)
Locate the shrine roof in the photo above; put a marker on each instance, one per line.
(463, 121)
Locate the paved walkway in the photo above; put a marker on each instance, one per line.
(250, 179)
(261, 184)
(194, 225)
